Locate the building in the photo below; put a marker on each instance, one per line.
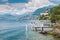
(44, 14)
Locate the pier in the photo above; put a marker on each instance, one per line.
(41, 28)
(41, 25)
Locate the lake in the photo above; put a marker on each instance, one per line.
(17, 31)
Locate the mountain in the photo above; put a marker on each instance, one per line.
(26, 16)
(40, 10)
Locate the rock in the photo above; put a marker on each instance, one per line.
(43, 32)
(57, 35)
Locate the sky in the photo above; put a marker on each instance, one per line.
(55, 1)
(17, 1)
(13, 1)
(20, 7)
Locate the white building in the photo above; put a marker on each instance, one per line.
(43, 13)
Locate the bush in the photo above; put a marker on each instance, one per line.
(50, 33)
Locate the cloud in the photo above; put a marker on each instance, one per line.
(55, 1)
(21, 8)
(35, 4)
(4, 0)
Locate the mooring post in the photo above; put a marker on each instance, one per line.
(42, 29)
(35, 29)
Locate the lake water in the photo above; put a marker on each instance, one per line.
(12, 31)
(17, 31)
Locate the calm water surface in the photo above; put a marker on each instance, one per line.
(17, 31)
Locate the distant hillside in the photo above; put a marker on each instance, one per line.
(26, 16)
(40, 10)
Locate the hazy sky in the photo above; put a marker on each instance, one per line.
(24, 1)
(22, 6)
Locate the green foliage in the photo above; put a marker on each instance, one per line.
(50, 33)
(42, 17)
(52, 17)
(58, 17)
(56, 10)
(55, 14)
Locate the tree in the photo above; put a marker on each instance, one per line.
(55, 14)
(42, 17)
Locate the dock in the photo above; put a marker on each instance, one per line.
(41, 28)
